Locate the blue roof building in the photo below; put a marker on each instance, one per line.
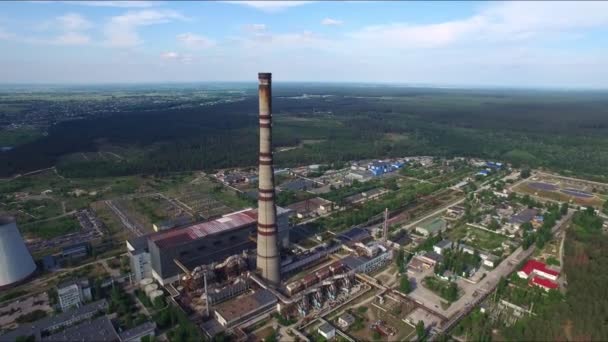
(494, 165)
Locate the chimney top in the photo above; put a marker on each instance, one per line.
(264, 76)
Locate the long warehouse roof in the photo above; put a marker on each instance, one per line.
(197, 231)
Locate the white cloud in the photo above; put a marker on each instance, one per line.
(194, 41)
(282, 41)
(109, 3)
(121, 31)
(270, 6)
(169, 55)
(173, 56)
(73, 22)
(72, 38)
(331, 22)
(255, 27)
(505, 22)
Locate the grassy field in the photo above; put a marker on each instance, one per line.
(477, 238)
(51, 228)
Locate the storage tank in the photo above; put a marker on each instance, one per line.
(145, 282)
(16, 263)
(155, 294)
(150, 288)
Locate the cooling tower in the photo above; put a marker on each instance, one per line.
(268, 262)
(16, 263)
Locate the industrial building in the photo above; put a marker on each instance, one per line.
(522, 217)
(16, 263)
(204, 243)
(327, 331)
(50, 325)
(73, 293)
(311, 207)
(543, 283)
(99, 329)
(379, 168)
(432, 228)
(246, 306)
(537, 268)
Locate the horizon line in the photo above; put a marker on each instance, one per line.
(368, 83)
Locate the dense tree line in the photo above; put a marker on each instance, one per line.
(525, 128)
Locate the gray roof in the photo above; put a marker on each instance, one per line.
(245, 304)
(44, 324)
(327, 328)
(348, 318)
(434, 256)
(137, 332)
(443, 243)
(71, 282)
(353, 262)
(100, 329)
(140, 243)
(297, 184)
(523, 216)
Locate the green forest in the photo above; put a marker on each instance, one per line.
(564, 131)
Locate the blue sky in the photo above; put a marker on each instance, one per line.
(519, 43)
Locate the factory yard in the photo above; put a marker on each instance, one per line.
(469, 290)
(13, 312)
(369, 312)
(564, 189)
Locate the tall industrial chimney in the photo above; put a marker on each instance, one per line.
(268, 262)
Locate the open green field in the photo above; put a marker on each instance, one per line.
(475, 237)
(50, 228)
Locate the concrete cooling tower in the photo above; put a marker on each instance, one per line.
(16, 263)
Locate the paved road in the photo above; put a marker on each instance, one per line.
(434, 213)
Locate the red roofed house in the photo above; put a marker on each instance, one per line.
(546, 284)
(535, 267)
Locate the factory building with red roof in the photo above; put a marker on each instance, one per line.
(539, 275)
(544, 283)
(538, 268)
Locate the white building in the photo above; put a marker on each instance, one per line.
(73, 293)
(441, 246)
(327, 330)
(346, 320)
(140, 258)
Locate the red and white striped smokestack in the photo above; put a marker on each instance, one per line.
(268, 263)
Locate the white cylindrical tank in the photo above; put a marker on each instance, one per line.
(16, 263)
(150, 288)
(145, 282)
(155, 294)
